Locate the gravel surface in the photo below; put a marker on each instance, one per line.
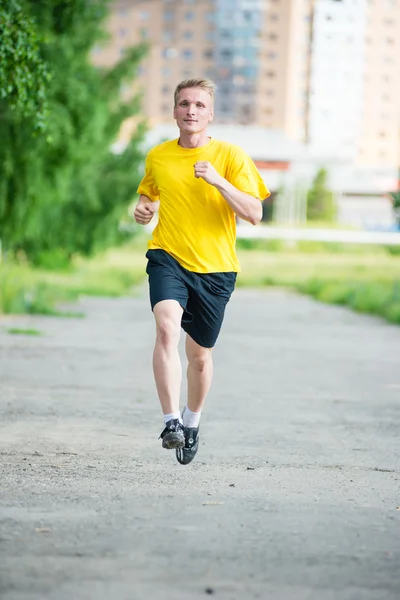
(294, 493)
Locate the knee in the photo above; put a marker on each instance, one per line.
(200, 360)
(167, 333)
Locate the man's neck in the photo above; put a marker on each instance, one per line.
(193, 140)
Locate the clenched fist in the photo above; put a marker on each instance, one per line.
(206, 170)
(144, 212)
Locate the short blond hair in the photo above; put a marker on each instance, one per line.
(205, 84)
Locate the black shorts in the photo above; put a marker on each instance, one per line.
(203, 296)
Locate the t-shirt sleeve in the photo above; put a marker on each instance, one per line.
(243, 174)
(148, 186)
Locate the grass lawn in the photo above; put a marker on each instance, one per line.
(366, 279)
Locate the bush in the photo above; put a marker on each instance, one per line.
(379, 298)
(321, 204)
(396, 205)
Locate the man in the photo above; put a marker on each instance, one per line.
(198, 185)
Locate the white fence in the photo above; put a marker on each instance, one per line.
(386, 238)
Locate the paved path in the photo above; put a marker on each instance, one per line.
(294, 493)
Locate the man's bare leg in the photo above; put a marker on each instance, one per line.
(166, 361)
(199, 374)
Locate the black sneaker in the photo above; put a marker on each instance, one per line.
(173, 435)
(186, 454)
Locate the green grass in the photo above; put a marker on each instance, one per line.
(364, 278)
(37, 291)
(16, 331)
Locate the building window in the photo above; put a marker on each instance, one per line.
(272, 55)
(188, 34)
(226, 53)
(187, 54)
(270, 74)
(273, 37)
(122, 32)
(189, 15)
(144, 34)
(274, 17)
(144, 15)
(166, 72)
(250, 72)
(169, 53)
(168, 15)
(208, 53)
(166, 108)
(165, 89)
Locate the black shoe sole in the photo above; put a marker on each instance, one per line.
(184, 456)
(173, 441)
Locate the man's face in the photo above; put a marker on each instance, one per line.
(193, 110)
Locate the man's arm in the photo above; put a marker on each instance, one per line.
(246, 207)
(145, 209)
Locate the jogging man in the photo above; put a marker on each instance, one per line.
(198, 185)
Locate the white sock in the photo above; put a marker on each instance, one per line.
(189, 418)
(174, 415)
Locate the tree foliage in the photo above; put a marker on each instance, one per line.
(64, 192)
(395, 196)
(321, 204)
(23, 72)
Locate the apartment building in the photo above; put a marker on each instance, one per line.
(324, 72)
(181, 36)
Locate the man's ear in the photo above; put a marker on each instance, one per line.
(211, 117)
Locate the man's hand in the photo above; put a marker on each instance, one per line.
(207, 172)
(144, 212)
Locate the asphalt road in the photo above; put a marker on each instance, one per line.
(294, 494)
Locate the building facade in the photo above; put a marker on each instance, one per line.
(324, 72)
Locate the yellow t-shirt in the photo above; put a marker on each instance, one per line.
(196, 225)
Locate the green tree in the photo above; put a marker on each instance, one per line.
(395, 196)
(321, 204)
(65, 192)
(24, 74)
